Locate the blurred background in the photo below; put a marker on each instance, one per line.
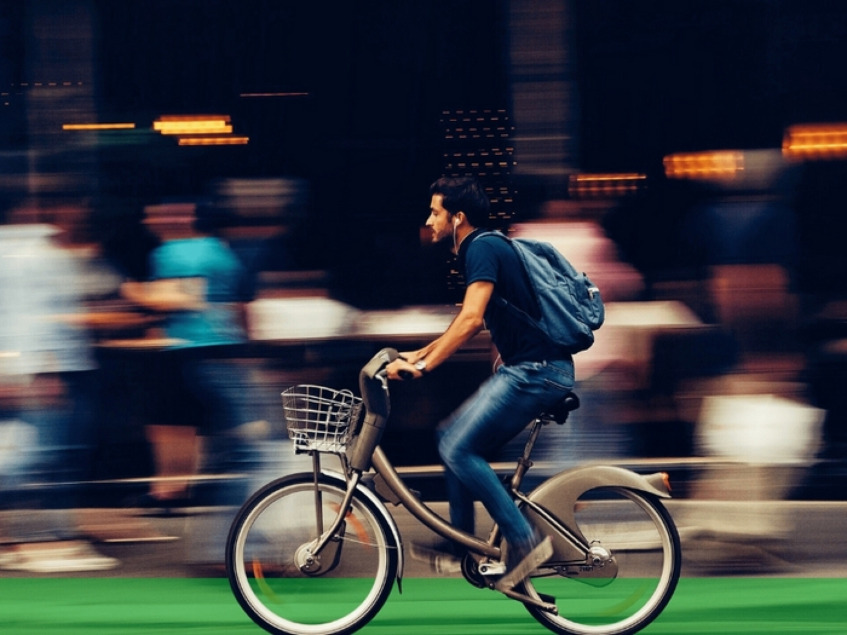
(688, 156)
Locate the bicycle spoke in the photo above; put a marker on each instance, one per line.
(635, 571)
(277, 584)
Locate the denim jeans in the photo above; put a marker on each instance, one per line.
(500, 409)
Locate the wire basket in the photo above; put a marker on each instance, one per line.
(319, 418)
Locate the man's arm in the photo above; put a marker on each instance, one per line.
(167, 295)
(464, 326)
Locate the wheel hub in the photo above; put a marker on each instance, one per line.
(306, 561)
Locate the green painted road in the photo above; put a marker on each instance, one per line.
(701, 606)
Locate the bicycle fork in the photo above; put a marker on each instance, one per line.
(310, 557)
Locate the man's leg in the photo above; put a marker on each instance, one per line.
(483, 423)
(461, 501)
(496, 413)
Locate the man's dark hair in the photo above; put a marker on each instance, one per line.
(463, 194)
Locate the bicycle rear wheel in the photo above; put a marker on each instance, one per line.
(637, 553)
(267, 548)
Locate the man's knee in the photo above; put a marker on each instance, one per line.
(448, 450)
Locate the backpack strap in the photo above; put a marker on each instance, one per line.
(516, 311)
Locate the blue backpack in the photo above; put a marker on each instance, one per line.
(568, 303)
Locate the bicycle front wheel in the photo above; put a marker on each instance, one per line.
(631, 575)
(277, 582)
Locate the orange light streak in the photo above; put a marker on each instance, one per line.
(193, 124)
(98, 126)
(815, 141)
(214, 141)
(711, 165)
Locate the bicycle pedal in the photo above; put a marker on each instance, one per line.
(540, 554)
(492, 568)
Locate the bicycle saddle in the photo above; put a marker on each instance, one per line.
(560, 411)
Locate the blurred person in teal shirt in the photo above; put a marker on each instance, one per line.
(194, 380)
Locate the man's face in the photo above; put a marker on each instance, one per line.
(440, 221)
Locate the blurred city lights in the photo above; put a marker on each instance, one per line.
(721, 165)
(98, 126)
(199, 130)
(213, 141)
(193, 124)
(815, 141)
(605, 185)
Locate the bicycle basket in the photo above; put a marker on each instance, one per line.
(319, 418)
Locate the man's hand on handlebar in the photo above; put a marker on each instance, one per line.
(401, 368)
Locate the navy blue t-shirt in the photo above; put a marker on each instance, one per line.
(492, 259)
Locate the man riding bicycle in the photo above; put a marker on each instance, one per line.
(532, 376)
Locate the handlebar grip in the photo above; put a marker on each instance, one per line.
(372, 384)
(374, 389)
(378, 363)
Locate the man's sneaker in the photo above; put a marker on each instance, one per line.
(441, 561)
(526, 564)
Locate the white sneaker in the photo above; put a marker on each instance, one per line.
(540, 554)
(439, 561)
(56, 557)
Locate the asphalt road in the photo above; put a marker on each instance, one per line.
(750, 567)
(719, 538)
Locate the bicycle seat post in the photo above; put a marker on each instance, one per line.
(559, 414)
(524, 461)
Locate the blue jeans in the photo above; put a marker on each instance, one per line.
(500, 409)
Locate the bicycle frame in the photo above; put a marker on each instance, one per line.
(365, 454)
(387, 477)
(606, 525)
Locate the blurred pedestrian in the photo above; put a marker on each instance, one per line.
(196, 285)
(45, 364)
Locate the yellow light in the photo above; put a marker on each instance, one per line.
(213, 141)
(98, 126)
(193, 124)
(588, 178)
(815, 141)
(711, 165)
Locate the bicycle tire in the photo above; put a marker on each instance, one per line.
(641, 535)
(358, 568)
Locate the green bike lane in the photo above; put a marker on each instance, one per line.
(701, 606)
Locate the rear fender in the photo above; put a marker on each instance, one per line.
(557, 496)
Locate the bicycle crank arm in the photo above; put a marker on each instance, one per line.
(547, 606)
(492, 568)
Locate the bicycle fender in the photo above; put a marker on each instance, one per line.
(383, 511)
(558, 495)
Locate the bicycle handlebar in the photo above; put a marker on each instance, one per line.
(372, 380)
(373, 386)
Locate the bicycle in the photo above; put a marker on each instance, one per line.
(316, 553)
